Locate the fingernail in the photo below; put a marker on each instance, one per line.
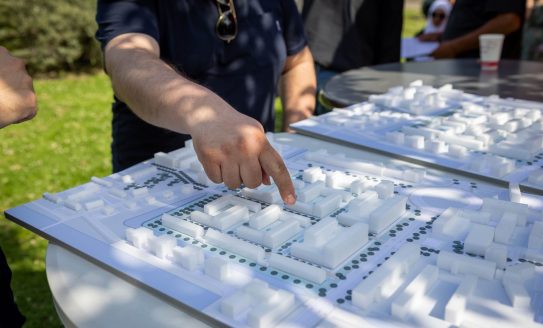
(291, 199)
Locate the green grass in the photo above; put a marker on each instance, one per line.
(413, 22)
(66, 144)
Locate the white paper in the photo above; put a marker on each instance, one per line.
(413, 47)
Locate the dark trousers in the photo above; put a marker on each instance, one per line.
(9, 313)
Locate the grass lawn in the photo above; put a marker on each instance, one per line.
(66, 144)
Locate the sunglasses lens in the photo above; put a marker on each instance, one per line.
(226, 26)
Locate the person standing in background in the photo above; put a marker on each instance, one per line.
(436, 22)
(532, 43)
(17, 104)
(471, 18)
(349, 34)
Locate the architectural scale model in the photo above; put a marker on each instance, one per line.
(500, 139)
(366, 243)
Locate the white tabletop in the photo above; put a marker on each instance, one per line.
(87, 295)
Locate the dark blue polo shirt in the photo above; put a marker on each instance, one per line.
(244, 72)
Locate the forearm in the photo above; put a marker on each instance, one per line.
(501, 24)
(298, 87)
(154, 90)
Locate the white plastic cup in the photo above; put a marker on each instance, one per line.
(490, 46)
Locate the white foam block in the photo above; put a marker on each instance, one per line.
(463, 264)
(267, 194)
(410, 296)
(268, 314)
(514, 192)
(320, 232)
(189, 257)
(265, 217)
(139, 237)
(326, 206)
(313, 174)
(389, 211)
(297, 268)
(456, 306)
(505, 228)
(230, 217)
(311, 191)
(54, 198)
(183, 226)
(479, 238)
(497, 206)
(92, 205)
(450, 224)
(233, 305)
(497, 253)
(162, 246)
(382, 282)
(235, 245)
(535, 240)
(344, 244)
(217, 268)
(280, 233)
(385, 189)
(517, 293)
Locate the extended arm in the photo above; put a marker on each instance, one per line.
(17, 97)
(232, 147)
(503, 24)
(298, 85)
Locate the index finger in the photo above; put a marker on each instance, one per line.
(273, 165)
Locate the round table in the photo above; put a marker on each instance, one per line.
(517, 79)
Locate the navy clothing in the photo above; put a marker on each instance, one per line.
(10, 317)
(469, 15)
(244, 72)
(349, 34)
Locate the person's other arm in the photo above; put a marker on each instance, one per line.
(17, 97)
(298, 85)
(232, 147)
(502, 24)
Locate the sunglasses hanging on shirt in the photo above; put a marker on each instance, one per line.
(227, 24)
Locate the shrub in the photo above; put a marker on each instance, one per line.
(51, 35)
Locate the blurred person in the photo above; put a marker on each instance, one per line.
(471, 18)
(206, 70)
(349, 34)
(17, 104)
(532, 43)
(438, 14)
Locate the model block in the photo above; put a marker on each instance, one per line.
(461, 264)
(451, 225)
(505, 228)
(139, 237)
(497, 253)
(162, 246)
(385, 189)
(263, 193)
(218, 268)
(479, 238)
(183, 226)
(389, 211)
(456, 306)
(517, 293)
(189, 257)
(382, 283)
(297, 268)
(410, 296)
(535, 240)
(235, 245)
(328, 244)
